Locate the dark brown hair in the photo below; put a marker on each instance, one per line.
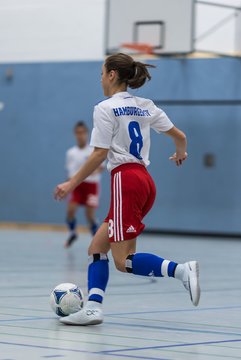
(133, 73)
(80, 124)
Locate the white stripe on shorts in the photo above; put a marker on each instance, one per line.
(164, 267)
(118, 226)
(121, 224)
(116, 223)
(114, 196)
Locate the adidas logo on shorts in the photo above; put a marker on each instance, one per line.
(131, 229)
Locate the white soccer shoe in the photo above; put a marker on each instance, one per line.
(84, 317)
(191, 281)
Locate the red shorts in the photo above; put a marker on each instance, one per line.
(86, 194)
(133, 193)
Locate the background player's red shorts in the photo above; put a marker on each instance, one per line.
(86, 194)
(133, 193)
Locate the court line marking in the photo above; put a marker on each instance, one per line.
(26, 318)
(155, 327)
(30, 318)
(123, 293)
(46, 347)
(204, 354)
(52, 356)
(177, 310)
(93, 333)
(128, 349)
(172, 346)
(155, 358)
(137, 357)
(23, 296)
(19, 315)
(26, 309)
(183, 323)
(63, 340)
(79, 351)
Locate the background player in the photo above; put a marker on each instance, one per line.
(87, 193)
(122, 132)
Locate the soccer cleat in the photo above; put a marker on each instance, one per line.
(191, 281)
(70, 240)
(84, 317)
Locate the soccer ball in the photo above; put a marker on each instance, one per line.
(66, 299)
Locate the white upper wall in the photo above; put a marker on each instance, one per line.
(72, 30)
(217, 28)
(51, 30)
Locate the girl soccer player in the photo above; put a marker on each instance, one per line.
(87, 193)
(121, 134)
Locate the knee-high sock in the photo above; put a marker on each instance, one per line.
(94, 227)
(150, 265)
(71, 223)
(98, 275)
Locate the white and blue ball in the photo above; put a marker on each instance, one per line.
(66, 299)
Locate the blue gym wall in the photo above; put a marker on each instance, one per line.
(43, 101)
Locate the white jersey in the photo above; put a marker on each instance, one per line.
(75, 158)
(122, 124)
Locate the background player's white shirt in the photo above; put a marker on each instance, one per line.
(122, 124)
(75, 158)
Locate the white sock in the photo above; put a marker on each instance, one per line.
(179, 272)
(93, 305)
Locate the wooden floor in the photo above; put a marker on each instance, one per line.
(143, 319)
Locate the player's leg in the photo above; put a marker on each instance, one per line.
(71, 223)
(135, 194)
(127, 260)
(90, 213)
(98, 270)
(90, 199)
(146, 264)
(98, 274)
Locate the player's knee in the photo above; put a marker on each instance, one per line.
(95, 248)
(120, 265)
(128, 263)
(124, 265)
(70, 214)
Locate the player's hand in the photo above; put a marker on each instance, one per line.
(178, 158)
(62, 190)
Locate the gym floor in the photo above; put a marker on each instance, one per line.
(143, 319)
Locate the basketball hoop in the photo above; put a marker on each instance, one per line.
(138, 48)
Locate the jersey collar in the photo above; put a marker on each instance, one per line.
(122, 94)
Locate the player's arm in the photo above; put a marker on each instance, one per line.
(68, 163)
(92, 163)
(162, 124)
(180, 141)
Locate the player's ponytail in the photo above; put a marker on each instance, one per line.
(141, 74)
(133, 73)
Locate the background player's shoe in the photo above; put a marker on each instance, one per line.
(70, 240)
(86, 316)
(191, 281)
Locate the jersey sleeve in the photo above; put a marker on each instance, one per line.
(160, 121)
(103, 165)
(102, 132)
